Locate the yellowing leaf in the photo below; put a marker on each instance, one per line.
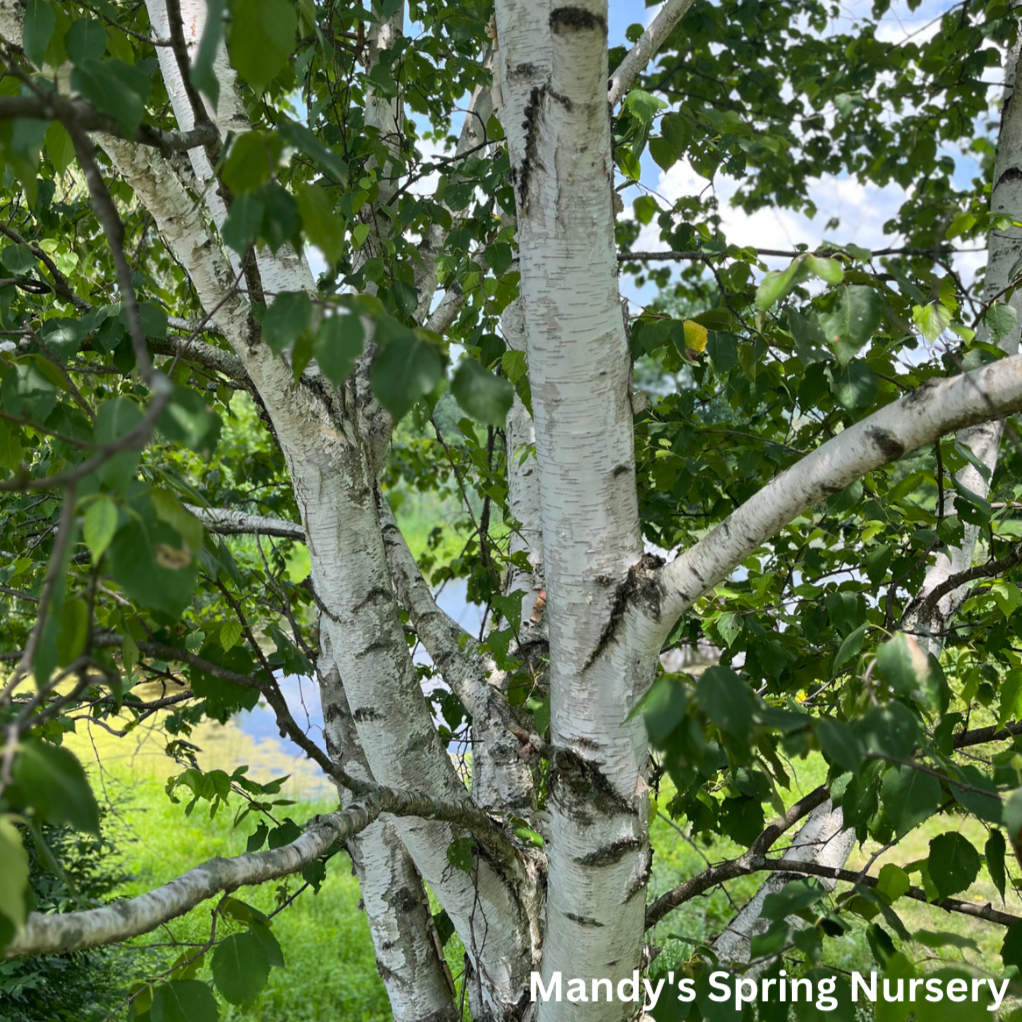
(695, 335)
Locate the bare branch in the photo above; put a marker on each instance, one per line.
(636, 59)
(227, 522)
(74, 931)
(931, 410)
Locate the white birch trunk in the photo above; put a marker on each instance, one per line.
(559, 136)
(408, 957)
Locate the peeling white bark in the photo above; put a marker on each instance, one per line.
(559, 136)
(408, 958)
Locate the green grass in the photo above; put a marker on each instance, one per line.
(330, 971)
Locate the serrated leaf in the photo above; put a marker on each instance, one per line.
(262, 39)
(322, 226)
(99, 525)
(909, 797)
(240, 968)
(460, 853)
(118, 89)
(485, 397)
(51, 780)
(285, 319)
(40, 20)
(994, 854)
(892, 881)
(184, 1000)
(840, 744)
(405, 370)
(826, 269)
(230, 634)
(931, 320)
(852, 320)
(953, 863)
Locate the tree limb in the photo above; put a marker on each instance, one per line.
(228, 522)
(928, 412)
(636, 59)
(74, 931)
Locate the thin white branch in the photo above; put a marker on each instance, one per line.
(74, 931)
(919, 418)
(645, 49)
(227, 522)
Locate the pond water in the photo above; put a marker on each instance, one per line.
(302, 694)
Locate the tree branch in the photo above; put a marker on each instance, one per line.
(636, 59)
(928, 412)
(51, 107)
(228, 522)
(74, 931)
(926, 606)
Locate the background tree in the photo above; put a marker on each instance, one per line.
(166, 169)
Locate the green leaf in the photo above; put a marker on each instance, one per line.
(163, 583)
(339, 342)
(40, 20)
(99, 525)
(230, 634)
(931, 320)
(485, 397)
(118, 89)
(322, 226)
(25, 392)
(461, 853)
(909, 797)
(888, 730)
(11, 451)
(940, 938)
(994, 854)
(74, 630)
(903, 664)
(299, 136)
(644, 105)
(285, 319)
(240, 968)
(826, 269)
(852, 320)
(262, 39)
(203, 76)
(51, 780)
(117, 417)
(184, 1000)
(953, 863)
(840, 745)
(727, 701)
(13, 873)
(18, 258)
(187, 419)
(1000, 319)
(250, 163)
(1011, 946)
(405, 370)
(892, 881)
(85, 40)
(776, 284)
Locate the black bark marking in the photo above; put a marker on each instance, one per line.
(641, 586)
(610, 854)
(921, 393)
(886, 443)
(364, 713)
(577, 18)
(582, 920)
(1011, 174)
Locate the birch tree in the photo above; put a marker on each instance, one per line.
(184, 404)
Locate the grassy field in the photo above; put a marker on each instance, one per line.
(330, 972)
